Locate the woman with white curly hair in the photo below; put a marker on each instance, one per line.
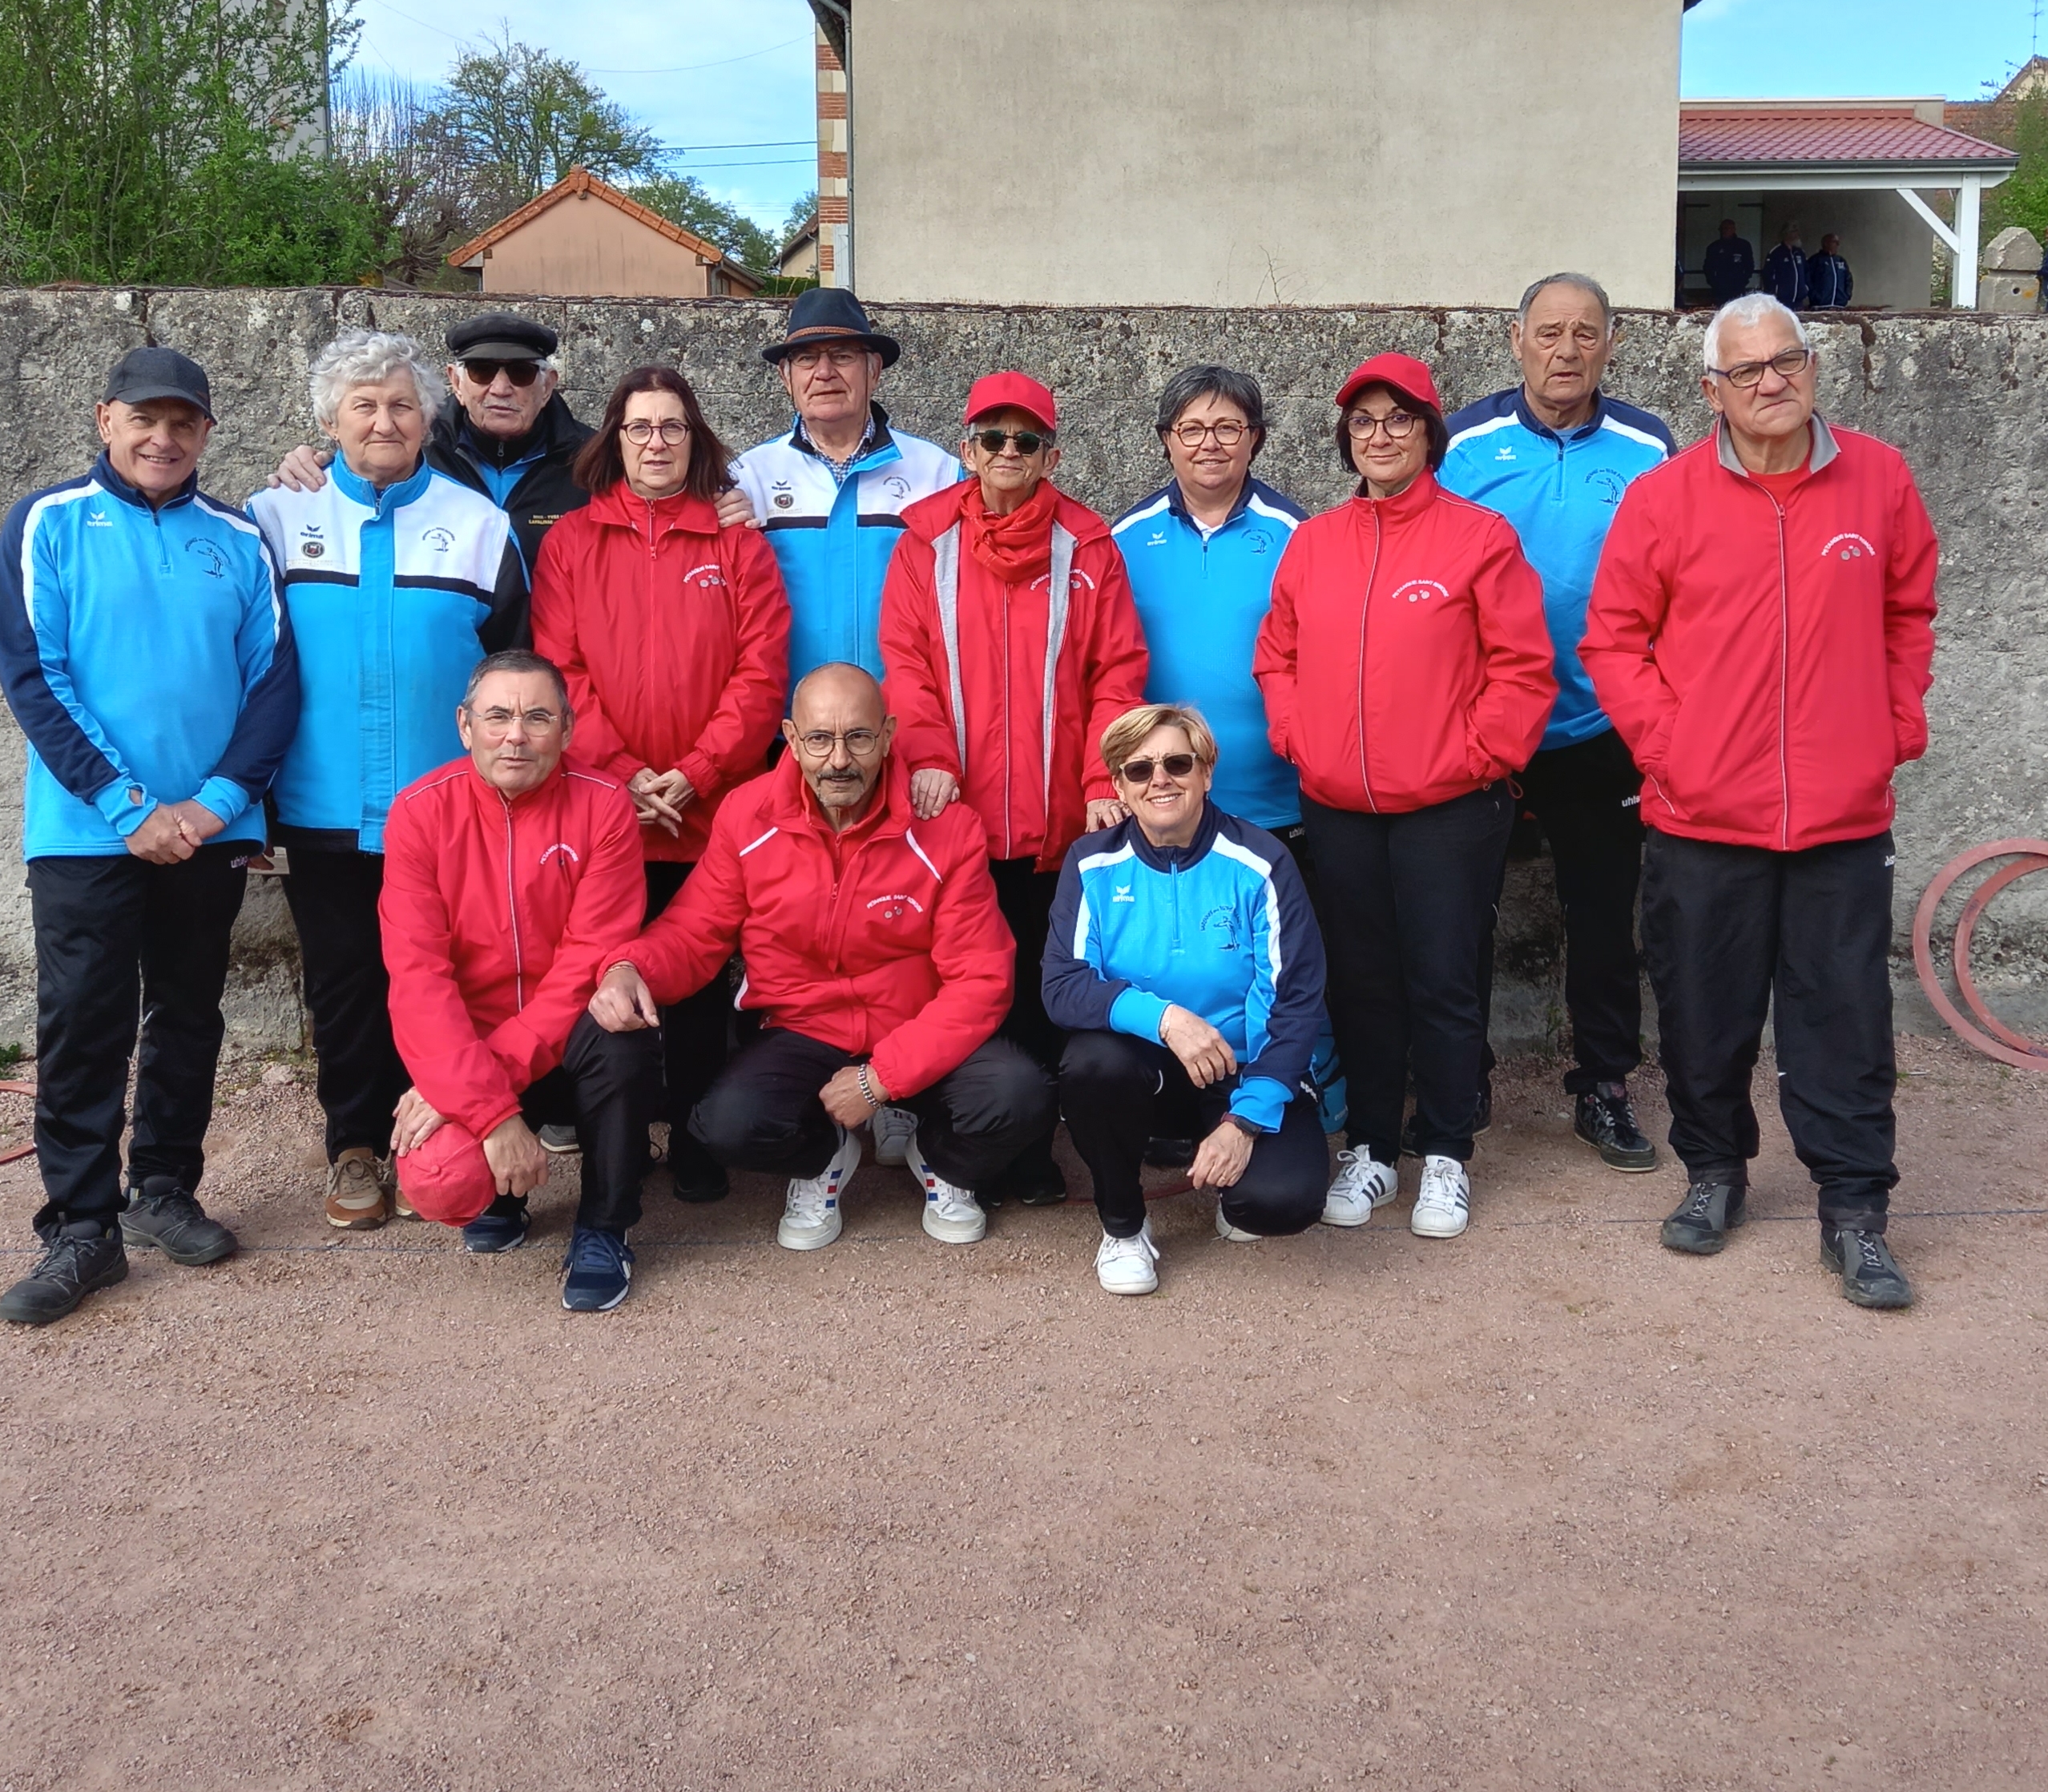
(398, 580)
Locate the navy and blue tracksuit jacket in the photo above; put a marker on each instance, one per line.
(1221, 927)
(1201, 600)
(1785, 277)
(1829, 282)
(1560, 492)
(148, 657)
(1728, 264)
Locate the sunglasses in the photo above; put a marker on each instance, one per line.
(1029, 441)
(1139, 771)
(520, 373)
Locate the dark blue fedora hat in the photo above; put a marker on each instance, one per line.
(828, 313)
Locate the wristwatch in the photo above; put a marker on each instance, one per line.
(1242, 1125)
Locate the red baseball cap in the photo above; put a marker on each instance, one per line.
(447, 1177)
(996, 392)
(1403, 374)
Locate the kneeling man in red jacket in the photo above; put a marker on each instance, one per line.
(508, 876)
(1761, 631)
(876, 952)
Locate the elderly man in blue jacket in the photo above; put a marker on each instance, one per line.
(148, 660)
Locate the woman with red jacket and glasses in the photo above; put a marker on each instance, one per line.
(673, 634)
(1406, 672)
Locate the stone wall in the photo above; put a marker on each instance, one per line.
(1961, 394)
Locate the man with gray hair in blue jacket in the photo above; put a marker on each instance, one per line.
(149, 661)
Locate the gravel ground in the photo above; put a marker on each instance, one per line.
(1546, 1506)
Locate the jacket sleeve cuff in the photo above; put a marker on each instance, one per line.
(1260, 1101)
(225, 798)
(123, 816)
(1138, 1013)
(702, 772)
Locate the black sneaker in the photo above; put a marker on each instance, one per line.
(1482, 1121)
(1869, 1276)
(695, 1174)
(1606, 1121)
(501, 1226)
(161, 1216)
(81, 1258)
(1170, 1153)
(1701, 1222)
(1039, 1182)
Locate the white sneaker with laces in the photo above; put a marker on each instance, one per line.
(952, 1214)
(810, 1210)
(1124, 1266)
(892, 1129)
(1361, 1184)
(1444, 1205)
(1235, 1234)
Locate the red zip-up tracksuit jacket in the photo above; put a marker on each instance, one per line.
(1767, 662)
(673, 635)
(498, 917)
(1404, 661)
(884, 940)
(964, 665)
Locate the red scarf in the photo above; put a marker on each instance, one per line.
(1016, 548)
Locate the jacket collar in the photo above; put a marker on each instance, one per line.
(1404, 506)
(878, 444)
(618, 505)
(555, 432)
(1177, 504)
(795, 807)
(1825, 448)
(494, 801)
(1167, 858)
(1529, 420)
(104, 475)
(391, 498)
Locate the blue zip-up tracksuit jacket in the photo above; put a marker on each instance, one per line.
(394, 596)
(1560, 492)
(832, 541)
(1221, 927)
(1201, 602)
(148, 659)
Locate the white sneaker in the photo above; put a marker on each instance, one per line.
(810, 1211)
(1444, 1203)
(1124, 1266)
(892, 1129)
(1235, 1234)
(1361, 1184)
(952, 1214)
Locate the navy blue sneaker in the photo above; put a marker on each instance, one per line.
(598, 1271)
(500, 1226)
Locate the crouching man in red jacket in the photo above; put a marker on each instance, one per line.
(876, 952)
(1761, 632)
(508, 877)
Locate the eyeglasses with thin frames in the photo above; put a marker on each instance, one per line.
(859, 742)
(640, 432)
(500, 721)
(1227, 434)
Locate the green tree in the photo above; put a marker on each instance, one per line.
(682, 199)
(800, 214)
(2022, 197)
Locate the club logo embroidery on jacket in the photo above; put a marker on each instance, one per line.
(892, 906)
(569, 854)
(705, 577)
(1847, 546)
(440, 540)
(1420, 590)
(214, 562)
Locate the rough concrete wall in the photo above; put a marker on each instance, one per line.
(1959, 394)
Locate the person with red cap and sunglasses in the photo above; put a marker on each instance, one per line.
(1406, 669)
(1009, 641)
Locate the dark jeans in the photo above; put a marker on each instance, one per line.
(765, 1113)
(1408, 899)
(607, 1086)
(1117, 1092)
(333, 901)
(116, 938)
(1729, 931)
(693, 1031)
(1025, 895)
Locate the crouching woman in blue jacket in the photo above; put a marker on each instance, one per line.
(1184, 963)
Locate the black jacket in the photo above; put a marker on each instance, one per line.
(1728, 265)
(1829, 282)
(543, 494)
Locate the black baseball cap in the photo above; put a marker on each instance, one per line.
(143, 374)
(501, 336)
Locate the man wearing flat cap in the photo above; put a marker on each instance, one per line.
(831, 493)
(148, 659)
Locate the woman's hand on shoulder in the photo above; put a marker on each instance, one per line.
(1105, 811)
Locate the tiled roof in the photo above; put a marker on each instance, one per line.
(1776, 138)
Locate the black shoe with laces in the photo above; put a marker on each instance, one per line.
(1482, 1121)
(1870, 1277)
(78, 1258)
(1700, 1223)
(1607, 1121)
(500, 1227)
(161, 1216)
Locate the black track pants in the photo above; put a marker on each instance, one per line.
(607, 1086)
(694, 1031)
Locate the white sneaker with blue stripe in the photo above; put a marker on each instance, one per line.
(810, 1210)
(952, 1214)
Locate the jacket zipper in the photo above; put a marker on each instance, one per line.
(163, 549)
(1008, 814)
(1364, 616)
(1784, 674)
(512, 908)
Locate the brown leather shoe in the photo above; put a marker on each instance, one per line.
(357, 1199)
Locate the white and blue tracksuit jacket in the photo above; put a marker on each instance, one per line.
(394, 595)
(1201, 600)
(148, 659)
(832, 540)
(1221, 927)
(1560, 492)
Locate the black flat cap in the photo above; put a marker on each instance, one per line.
(824, 314)
(503, 335)
(143, 374)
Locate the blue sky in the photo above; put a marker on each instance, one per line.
(735, 75)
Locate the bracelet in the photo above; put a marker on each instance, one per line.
(867, 1094)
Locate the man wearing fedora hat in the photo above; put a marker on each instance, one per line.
(832, 492)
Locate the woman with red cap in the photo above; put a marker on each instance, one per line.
(1009, 641)
(1406, 672)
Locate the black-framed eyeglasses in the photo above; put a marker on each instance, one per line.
(1028, 441)
(520, 373)
(1227, 434)
(1139, 771)
(859, 742)
(1399, 425)
(1788, 366)
(640, 432)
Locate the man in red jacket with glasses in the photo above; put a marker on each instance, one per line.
(1761, 631)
